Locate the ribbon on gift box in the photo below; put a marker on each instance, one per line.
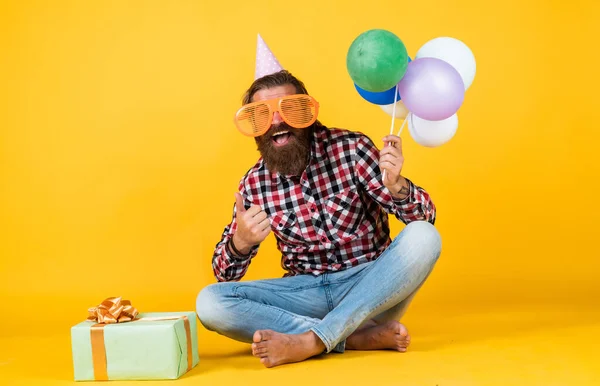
(116, 310)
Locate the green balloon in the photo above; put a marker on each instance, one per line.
(377, 60)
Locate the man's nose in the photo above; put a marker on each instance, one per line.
(277, 118)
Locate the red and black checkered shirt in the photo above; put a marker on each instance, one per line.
(333, 217)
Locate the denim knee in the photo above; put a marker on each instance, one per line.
(208, 307)
(423, 239)
(427, 237)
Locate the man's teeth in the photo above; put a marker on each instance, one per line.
(280, 133)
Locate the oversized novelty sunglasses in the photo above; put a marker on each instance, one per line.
(299, 111)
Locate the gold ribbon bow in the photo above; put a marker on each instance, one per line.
(116, 310)
(113, 310)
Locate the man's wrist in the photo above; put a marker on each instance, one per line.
(401, 190)
(239, 247)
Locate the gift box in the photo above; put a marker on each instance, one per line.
(118, 343)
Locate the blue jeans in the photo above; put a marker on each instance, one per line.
(332, 305)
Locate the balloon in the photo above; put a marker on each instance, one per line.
(432, 133)
(432, 89)
(379, 98)
(401, 110)
(376, 60)
(454, 52)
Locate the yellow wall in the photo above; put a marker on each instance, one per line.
(119, 159)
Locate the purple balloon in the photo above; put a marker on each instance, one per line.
(432, 89)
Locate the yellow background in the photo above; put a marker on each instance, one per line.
(119, 158)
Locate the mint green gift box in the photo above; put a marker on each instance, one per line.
(138, 350)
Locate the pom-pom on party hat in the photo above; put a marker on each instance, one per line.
(266, 62)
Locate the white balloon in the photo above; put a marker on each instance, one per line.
(401, 110)
(454, 52)
(432, 133)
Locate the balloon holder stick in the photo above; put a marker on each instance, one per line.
(394, 120)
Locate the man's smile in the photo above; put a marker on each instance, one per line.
(281, 138)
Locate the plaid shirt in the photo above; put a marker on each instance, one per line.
(333, 217)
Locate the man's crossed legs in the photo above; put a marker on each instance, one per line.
(291, 319)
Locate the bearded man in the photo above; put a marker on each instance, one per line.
(322, 194)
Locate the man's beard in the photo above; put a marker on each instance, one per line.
(290, 159)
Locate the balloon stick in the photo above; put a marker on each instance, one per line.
(393, 118)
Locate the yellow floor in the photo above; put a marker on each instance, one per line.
(533, 346)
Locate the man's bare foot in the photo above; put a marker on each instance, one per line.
(274, 348)
(391, 335)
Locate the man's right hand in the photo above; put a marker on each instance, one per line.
(253, 225)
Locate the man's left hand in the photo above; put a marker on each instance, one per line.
(391, 160)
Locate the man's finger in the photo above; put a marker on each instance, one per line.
(394, 140)
(387, 159)
(260, 216)
(265, 224)
(253, 211)
(389, 150)
(239, 203)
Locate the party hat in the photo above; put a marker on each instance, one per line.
(266, 62)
